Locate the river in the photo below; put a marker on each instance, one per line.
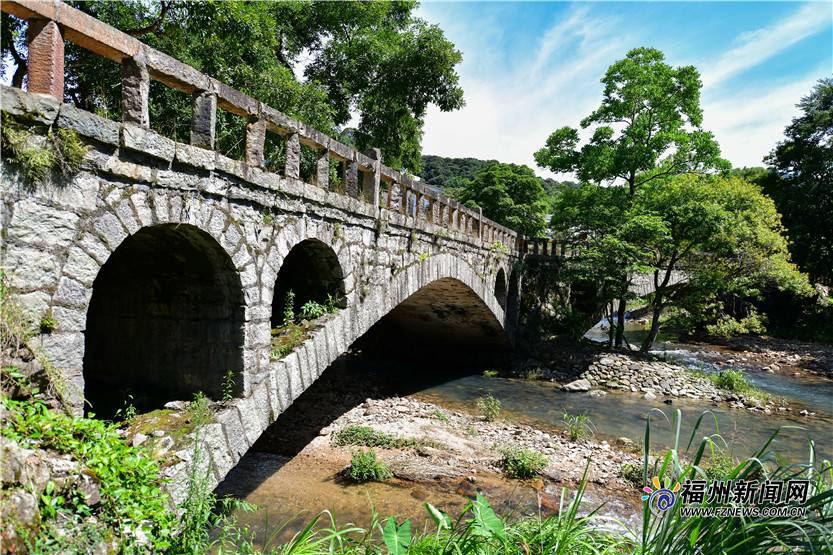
(287, 483)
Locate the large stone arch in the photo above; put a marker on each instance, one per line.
(101, 232)
(166, 319)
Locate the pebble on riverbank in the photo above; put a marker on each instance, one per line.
(468, 446)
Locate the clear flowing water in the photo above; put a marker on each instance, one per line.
(286, 486)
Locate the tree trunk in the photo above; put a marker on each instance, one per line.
(654, 331)
(610, 327)
(620, 324)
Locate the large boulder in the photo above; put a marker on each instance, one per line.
(578, 385)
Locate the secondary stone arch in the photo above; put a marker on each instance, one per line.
(311, 271)
(166, 319)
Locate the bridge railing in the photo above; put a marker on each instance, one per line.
(52, 22)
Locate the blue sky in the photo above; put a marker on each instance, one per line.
(530, 68)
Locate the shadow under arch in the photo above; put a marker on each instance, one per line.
(312, 272)
(166, 320)
(444, 315)
(500, 288)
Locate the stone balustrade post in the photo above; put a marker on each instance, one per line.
(204, 119)
(479, 223)
(351, 179)
(255, 140)
(292, 166)
(420, 207)
(372, 181)
(135, 88)
(322, 168)
(46, 58)
(411, 203)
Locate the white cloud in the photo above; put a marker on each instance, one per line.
(750, 122)
(758, 46)
(510, 114)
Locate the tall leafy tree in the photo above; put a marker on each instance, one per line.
(723, 231)
(375, 59)
(802, 181)
(509, 194)
(647, 128)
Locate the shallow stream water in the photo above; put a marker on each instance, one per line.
(286, 486)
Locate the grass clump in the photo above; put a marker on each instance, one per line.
(368, 437)
(489, 407)
(579, 426)
(287, 339)
(523, 463)
(736, 381)
(441, 416)
(365, 467)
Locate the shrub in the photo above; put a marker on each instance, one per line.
(578, 426)
(489, 407)
(726, 326)
(364, 467)
(522, 463)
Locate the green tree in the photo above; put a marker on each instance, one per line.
(722, 231)
(647, 128)
(802, 181)
(508, 194)
(375, 59)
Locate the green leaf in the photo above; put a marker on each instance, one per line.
(486, 522)
(440, 518)
(397, 538)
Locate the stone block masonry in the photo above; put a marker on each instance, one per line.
(159, 263)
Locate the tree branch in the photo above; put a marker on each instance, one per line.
(153, 28)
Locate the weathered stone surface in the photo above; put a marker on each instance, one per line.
(135, 90)
(38, 224)
(30, 268)
(40, 108)
(109, 227)
(20, 518)
(195, 156)
(89, 125)
(72, 293)
(148, 142)
(204, 119)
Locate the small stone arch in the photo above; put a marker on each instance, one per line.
(312, 272)
(513, 295)
(166, 319)
(500, 288)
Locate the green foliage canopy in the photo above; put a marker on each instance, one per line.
(508, 194)
(647, 127)
(802, 181)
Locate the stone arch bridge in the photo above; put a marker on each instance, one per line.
(167, 265)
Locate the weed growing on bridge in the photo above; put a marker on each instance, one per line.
(579, 426)
(61, 150)
(523, 463)
(364, 467)
(228, 386)
(286, 339)
(489, 407)
(289, 308)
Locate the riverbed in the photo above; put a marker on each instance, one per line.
(291, 474)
